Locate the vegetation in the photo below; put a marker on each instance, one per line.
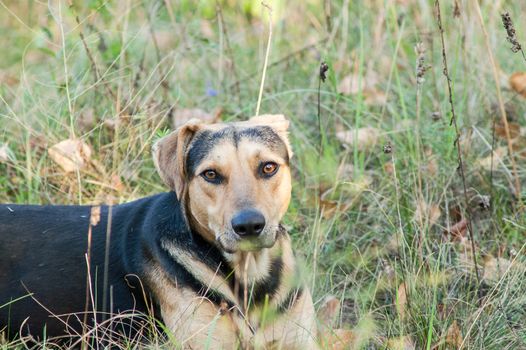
(380, 218)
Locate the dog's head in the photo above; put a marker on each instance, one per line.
(233, 179)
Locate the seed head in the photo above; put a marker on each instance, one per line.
(324, 67)
(510, 30)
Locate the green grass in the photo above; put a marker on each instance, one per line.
(363, 240)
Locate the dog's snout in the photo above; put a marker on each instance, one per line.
(248, 223)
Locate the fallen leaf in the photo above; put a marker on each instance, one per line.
(401, 300)
(458, 230)
(329, 311)
(494, 268)
(86, 120)
(518, 82)
(374, 97)
(427, 213)
(337, 339)
(94, 218)
(71, 155)
(498, 155)
(355, 83)
(8, 79)
(206, 29)
(401, 343)
(363, 138)
(5, 154)
(181, 116)
(454, 335)
(514, 129)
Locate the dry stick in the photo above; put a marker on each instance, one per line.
(269, 9)
(457, 140)
(94, 68)
(501, 105)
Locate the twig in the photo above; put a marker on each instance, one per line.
(501, 104)
(267, 53)
(457, 140)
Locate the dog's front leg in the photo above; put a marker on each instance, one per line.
(295, 329)
(197, 323)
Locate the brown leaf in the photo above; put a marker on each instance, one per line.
(518, 82)
(401, 343)
(364, 138)
(458, 230)
(514, 129)
(495, 268)
(94, 218)
(330, 311)
(427, 213)
(181, 116)
(71, 155)
(401, 300)
(498, 155)
(454, 335)
(337, 339)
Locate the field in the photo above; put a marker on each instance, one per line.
(409, 218)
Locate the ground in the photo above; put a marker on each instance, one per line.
(380, 217)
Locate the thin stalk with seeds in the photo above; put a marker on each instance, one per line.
(457, 140)
(501, 104)
(321, 78)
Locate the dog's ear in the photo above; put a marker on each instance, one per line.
(278, 123)
(169, 155)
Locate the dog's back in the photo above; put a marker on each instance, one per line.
(44, 269)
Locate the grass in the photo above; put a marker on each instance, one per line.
(376, 230)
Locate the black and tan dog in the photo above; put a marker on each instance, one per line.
(209, 258)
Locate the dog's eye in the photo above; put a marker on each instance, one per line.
(269, 168)
(211, 176)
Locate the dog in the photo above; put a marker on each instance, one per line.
(209, 259)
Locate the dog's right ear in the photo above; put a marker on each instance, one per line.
(169, 155)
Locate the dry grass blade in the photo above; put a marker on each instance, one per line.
(454, 122)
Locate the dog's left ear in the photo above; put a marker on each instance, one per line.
(278, 123)
(169, 155)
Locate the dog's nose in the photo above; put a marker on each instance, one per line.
(248, 223)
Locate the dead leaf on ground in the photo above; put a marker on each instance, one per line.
(458, 230)
(427, 213)
(374, 97)
(116, 183)
(330, 311)
(5, 153)
(495, 268)
(181, 116)
(401, 300)
(8, 79)
(337, 339)
(363, 138)
(518, 82)
(454, 335)
(498, 155)
(514, 129)
(401, 343)
(71, 155)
